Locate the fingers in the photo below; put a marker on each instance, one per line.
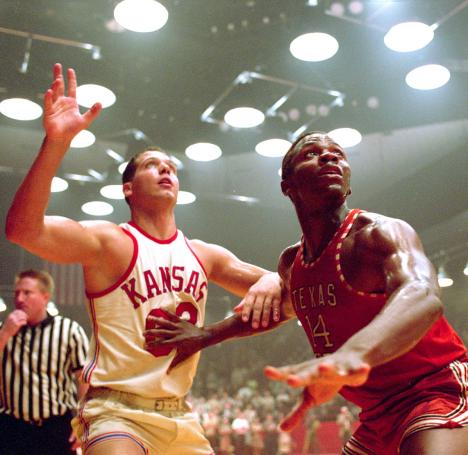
(48, 100)
(91, 114)
(179, 358)
(58, 86)
(71, 82)
(276, 307)
(277, 374)
(245, 308)
(264, 311)
(298, 413)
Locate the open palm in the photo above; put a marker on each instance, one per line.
(62, 117)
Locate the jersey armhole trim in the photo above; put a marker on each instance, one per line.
(196, 257)
(94, 295)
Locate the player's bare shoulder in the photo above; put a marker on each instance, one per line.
(379, 233)
(112, 241)
(286, 260)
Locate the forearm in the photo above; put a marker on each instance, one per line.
(407, 316)
(26, 214)
(232, 328)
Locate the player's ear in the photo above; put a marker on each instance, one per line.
(348, 193)
(127, 189)
(285, 188)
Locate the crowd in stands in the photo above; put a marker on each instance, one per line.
(245, 421)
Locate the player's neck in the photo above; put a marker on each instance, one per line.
(318, 228)
(161, 225)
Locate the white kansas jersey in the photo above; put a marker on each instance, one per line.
(164, 276)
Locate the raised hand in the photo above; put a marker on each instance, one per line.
(62, 118)
(322, 379)
(13, 323)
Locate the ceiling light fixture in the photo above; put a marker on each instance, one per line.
(20, 109)
(244, 117)
(89, 94)
(122, 167)
(428, 77)
(115, 156)
(58, 185)
(112, 192)
(3, 306)
(465, 270)
(443, 278)
(185, 197)
(97, 208)
(408, 36)
(141, 16)
(203, 151)
(52, 308)
(346, 137)
(83, 139)
(314, 47)
(273, 147)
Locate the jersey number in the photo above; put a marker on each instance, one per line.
(185, 310)
(320, 330)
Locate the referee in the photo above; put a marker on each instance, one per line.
(41, 360)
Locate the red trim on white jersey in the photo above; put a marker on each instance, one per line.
(88, 369)
(196, 257)
(154, 239)
(92, 295)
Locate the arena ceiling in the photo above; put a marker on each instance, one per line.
(412, 162)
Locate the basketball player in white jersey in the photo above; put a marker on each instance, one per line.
(134, 274)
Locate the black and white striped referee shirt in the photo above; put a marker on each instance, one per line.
(37, 369)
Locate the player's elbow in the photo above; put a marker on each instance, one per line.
(19, 231)
(429, 295)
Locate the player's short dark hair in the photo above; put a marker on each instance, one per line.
(286, 167)
(130, 169)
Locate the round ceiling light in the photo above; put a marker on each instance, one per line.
(97, 208)
(88, 94)
(58, 185)
(20, 109)
(428, 77)
(185, 197)
(203, 151)
(346, 137)
(244, 117)
(83, 139)
(314, 47)
(273, 147)
(112, 192)
(141, 16)
(408, 36)
(122, 167)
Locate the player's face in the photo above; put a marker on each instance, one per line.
(31, 298)
(155, 175)
(319, 165)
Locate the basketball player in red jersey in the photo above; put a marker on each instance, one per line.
(368, 299)
(133, 272)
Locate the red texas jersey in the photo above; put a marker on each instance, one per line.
(331, 311)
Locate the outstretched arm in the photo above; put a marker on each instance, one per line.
(188, 339)
(26, 222)
(259, 289)
(412, 307)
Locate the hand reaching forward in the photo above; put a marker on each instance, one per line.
(322, 379)
(173, 332)
(262, 300)
(62, 118)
